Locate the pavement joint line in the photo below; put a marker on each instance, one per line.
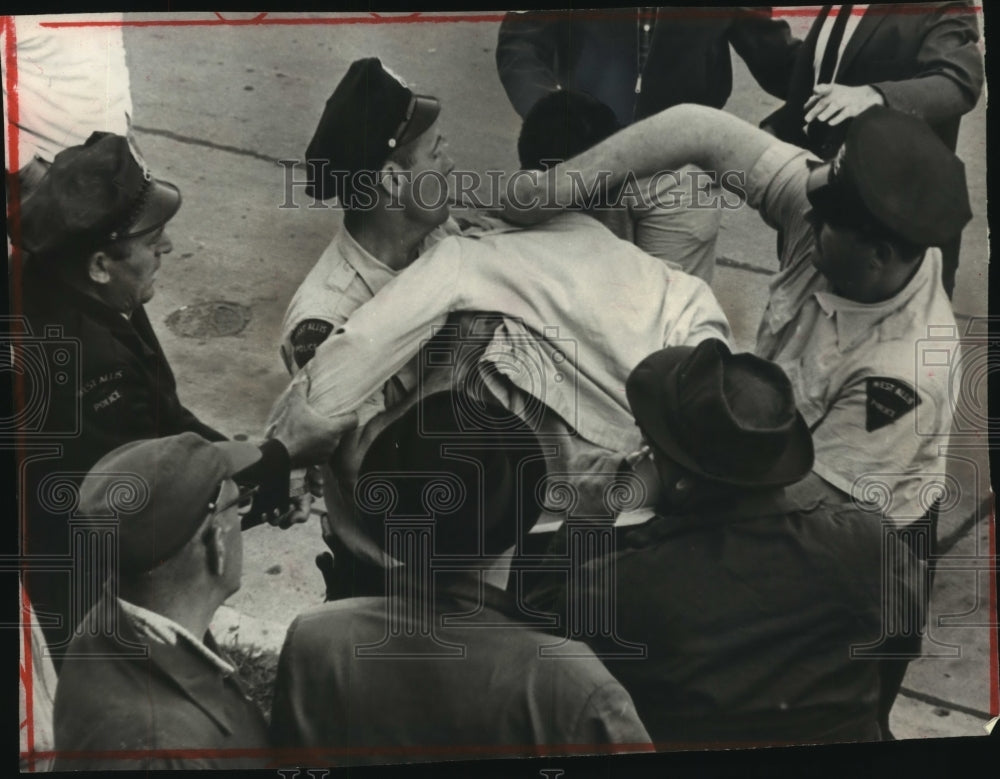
(202, 142)
(933, 700)
(727, 262)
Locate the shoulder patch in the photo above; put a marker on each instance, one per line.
(307, 335)
(887, 400)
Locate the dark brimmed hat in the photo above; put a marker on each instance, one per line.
(893, 171)
(370, 113)
(728, 417)
(177, 477)
(477, 477)
(93, 195)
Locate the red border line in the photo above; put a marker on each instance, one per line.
(14, 216)
(994, 660)
(422, 18)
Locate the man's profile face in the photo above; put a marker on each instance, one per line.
(426, 194)
(132, 278)
(229, 521)
(841, 255)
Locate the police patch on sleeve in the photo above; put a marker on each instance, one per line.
(887, 400)
(308, 334)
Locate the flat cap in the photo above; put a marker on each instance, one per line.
(894, 169)
(370, 113)
(160, 490)
(93, 195)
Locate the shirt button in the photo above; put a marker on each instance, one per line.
(645, 28)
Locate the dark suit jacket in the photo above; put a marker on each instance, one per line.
(596, 51)
(748, 612)
(170, 709)
(923, 57)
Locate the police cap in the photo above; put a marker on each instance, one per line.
(370, 113)
(893, 170)
(93, 195)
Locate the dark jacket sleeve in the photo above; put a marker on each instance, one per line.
(767, 46)
(273, 473)
(948, 72)
(527, 52)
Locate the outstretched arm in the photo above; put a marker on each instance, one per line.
(686, 134)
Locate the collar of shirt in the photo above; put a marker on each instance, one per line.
(854, 320)
(373, 272)
(164, 630)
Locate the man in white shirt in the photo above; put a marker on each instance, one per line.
(379, 151)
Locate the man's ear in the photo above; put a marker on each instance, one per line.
(392, 178)
(215, 549)
(882, 255)
(98, 267)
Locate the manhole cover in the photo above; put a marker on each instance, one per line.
(209, 320)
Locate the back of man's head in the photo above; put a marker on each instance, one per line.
(465, 464)
(561, 125)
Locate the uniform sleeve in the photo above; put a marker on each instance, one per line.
(868, 446)
(767, 47)
(272, 472)
(115, 405)
(385, 333)
(304, 338)
(949, 67)
(527, 47)
(776, 188)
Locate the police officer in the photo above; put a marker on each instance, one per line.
(859, 284)
(746, 600)
(95, 232)
(859, 287)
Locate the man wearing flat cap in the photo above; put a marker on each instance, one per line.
(95, 233)
(859, 283)
(160, 694)
(747, 600)
(445, 666)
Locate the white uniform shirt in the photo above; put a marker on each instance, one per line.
(878, 415)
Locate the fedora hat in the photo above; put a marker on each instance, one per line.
(727, 417)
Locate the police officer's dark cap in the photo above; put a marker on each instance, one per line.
(728, 417)
(370, 113)
(894, 171)
(159, 491)
(93, 195)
